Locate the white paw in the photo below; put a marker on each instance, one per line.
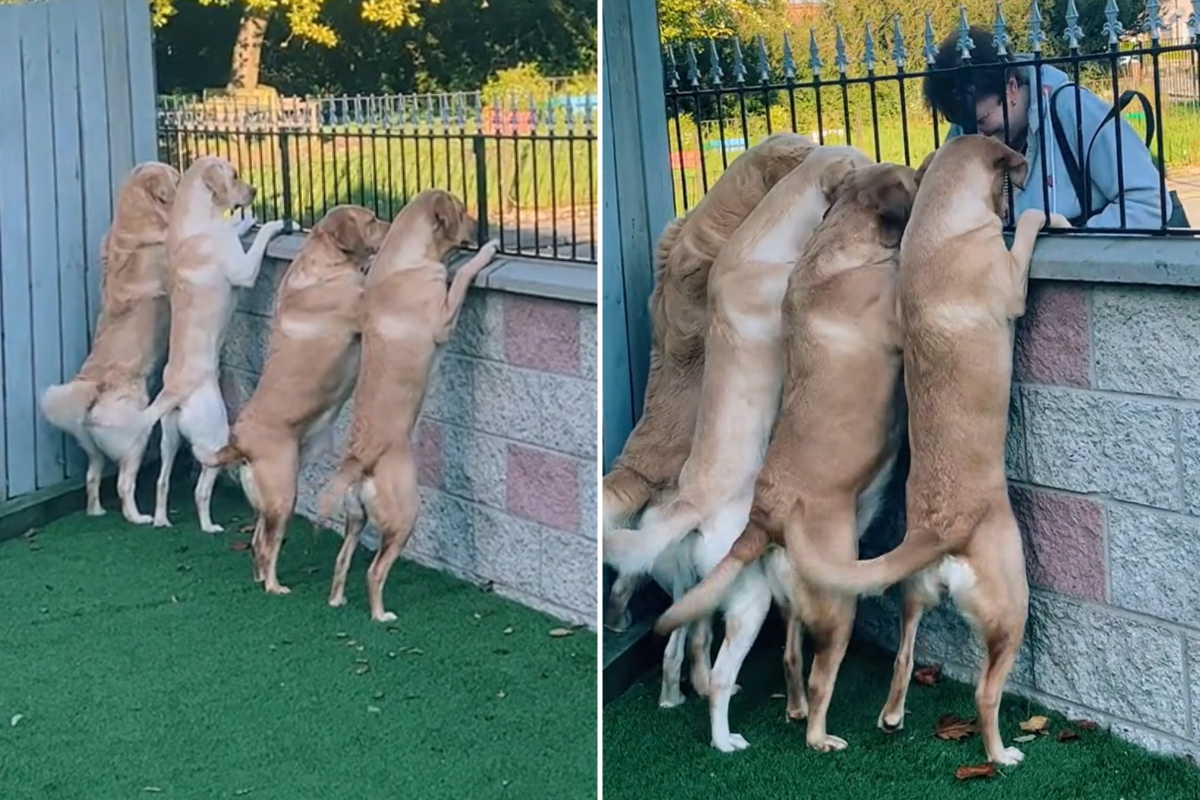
(1059, 221)
(671, 699)
(337, 602)
(211, 528)
(278, 589)
(732, 744)
(162, 522)
(273, 227)
(828, 744)
(139, 519)
(1036, 217)
(96, 511)
(386, 616)
(1009, 757)
(490, 248)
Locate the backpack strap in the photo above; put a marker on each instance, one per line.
(1069, 159)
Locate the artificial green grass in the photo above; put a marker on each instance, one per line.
(138, 662)
(664, 753)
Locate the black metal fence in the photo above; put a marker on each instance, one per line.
(725, 101)
(526, 168)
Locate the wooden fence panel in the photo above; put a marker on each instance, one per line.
(78, 100)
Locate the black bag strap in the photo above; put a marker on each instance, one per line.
(1069, 159)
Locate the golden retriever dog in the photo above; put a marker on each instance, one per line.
(310, 370)
(834, 448)
(739, 400)
(653, 454)
(408, 316)
(101, 408)
(206, 261)
(960, 292)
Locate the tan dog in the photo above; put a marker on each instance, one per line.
(961, 290)
(835, 443)
(206, 263)
(653, 454)
(312, 364)
(408, 316)
(101, 408)
(739, 400)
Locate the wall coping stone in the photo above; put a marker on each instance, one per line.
(1089, 258)
(573, 282)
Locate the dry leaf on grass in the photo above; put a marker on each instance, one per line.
(1037, 724)
(362, 669)
(374, 709)
(1029, 737)
(928, 676)
(508, 630)
(1085, 724)
(977, 771)
(1067, 735)
(239, 546)
(16, 718)
(558, 633)
(779, 696)
(246, 529)
(953, 728)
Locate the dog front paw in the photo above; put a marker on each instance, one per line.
(490, 249)
(1033, 217)
(273, 228)
(1059, 221)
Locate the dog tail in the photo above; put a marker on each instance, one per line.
(634, 551)
(229, 455)
(625, 494)
(703, 599)
(165, 403)
(920, 548)
(66, 405)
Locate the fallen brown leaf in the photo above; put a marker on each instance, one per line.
(1067, 735)
(239, 546)
(1037, 724)
(362, 669)
(977, 771)
(953, 728)
(1085, 724)
(246, 529)
(558, 633)
(1029, 737)
(928, 676)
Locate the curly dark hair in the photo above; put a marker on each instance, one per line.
(990, 75)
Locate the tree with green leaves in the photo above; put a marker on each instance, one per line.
(693, 20)
(303, 18)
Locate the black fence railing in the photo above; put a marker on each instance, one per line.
(719, 101)
(525, 168)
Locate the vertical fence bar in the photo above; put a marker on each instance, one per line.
(479, 144)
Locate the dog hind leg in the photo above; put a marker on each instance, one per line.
(671, 695)
(392, 500)
(129, 466)
(831, 637)
(275, 479)
(891, 717)
(744, 617)
(700, 654)
(356, 520)
(168, 448)
(793, 668)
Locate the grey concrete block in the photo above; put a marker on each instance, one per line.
(260, 300)
(553, 411)
(1147, 340)
(446, 530)
(1127, 668)
(508, 550)
(569, 575)
(1014, 445)
(1154, 559)
(1085, 442)
(589, 500)
(1189, 459)
(588, 339)
(480, 330)
(474, 465)
(1193, 656)
(245, 342)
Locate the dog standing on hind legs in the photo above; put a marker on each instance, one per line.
(960, 292)
(311, 367)
(101, 408)
(408, 316)
(207, 262)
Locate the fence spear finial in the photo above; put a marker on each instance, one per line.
(1154, 21)
(814, 53)
(840, 59)
(930, 48)
(869, 49)
(764, 62)
(1112, 26)
(1000, 38)
(964, 45)
(789, 63)
(714, 72)
(1036, 35)
(739, 68)
(898, 54)
(1073, 33)
(673, 72)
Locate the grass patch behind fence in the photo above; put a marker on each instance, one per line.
(544, 175)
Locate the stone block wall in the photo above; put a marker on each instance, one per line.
(1104, 469)
(506, 445)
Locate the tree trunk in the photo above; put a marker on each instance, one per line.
(247, 51)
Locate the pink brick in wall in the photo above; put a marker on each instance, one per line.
(1052, 337)
(429, 454)
(541, 335)
(543, 487)
(1064, 542)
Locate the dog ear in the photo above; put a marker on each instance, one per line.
(346, 230)
(162, 185)
(447, 215)
(1009, 160)
(216, 178)
(891, 194)
(835, 178)
(921, 170)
